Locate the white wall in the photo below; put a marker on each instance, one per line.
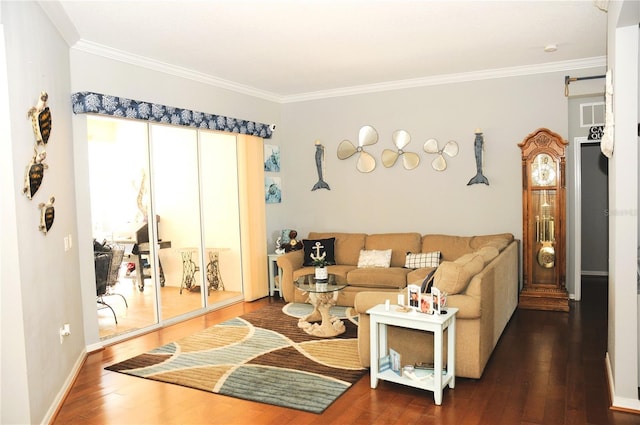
(622, 345)
(42, 292)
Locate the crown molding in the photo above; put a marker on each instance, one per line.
(152, 64)
(177, 71)
(516, 71)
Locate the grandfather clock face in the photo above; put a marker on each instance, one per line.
(543, 170)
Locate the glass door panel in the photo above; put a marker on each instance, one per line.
(176, 204)
(119, 187)
(220, 216)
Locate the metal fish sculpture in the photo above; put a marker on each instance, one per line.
(321, 184)
(478, 146)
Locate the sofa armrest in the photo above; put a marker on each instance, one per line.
(367, 299)
(289, 262)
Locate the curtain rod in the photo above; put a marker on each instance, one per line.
(568, 80)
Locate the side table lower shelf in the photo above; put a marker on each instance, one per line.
(437, 324)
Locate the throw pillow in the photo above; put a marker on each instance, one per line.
(374, 258)
(422, 259)
(453, 277)
(318, 248)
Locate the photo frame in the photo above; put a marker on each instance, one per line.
(272, 158)
(426, 303)
(435, 293)
(272, 190)
(413, 296)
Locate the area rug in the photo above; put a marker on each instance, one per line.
(261, 356)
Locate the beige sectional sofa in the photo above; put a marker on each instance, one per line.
(479, 273)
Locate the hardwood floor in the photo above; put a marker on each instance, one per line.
(548, 368)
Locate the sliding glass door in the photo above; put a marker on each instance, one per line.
(166, 197)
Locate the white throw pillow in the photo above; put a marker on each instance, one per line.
(422, 259)
(374, 258)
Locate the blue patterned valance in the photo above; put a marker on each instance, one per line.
(96, 103)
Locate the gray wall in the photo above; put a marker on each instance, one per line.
(40, 281)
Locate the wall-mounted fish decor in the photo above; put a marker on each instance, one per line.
(41, 119)
(319, 156)
(478, 147)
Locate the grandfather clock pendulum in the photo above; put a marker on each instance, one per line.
(543, 221)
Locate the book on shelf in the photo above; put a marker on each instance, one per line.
(390, 362)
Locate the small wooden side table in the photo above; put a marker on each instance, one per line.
(380, 318)
(273, 266)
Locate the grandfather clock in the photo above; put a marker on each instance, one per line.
(543, 222)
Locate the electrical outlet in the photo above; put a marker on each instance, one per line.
(65, 330)
(66, 244)
(70, 241)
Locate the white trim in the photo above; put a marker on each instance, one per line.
(145, 62)
(577, 217)
(623, 403)
(66, 387)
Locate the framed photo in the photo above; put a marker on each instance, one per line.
(396, 365)
(272, 190)
(426, 303)
(272, 158)
(435, 293)
(413, 296)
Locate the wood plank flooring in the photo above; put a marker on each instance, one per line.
(548, 368)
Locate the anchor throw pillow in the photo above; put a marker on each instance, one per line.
(314, 248)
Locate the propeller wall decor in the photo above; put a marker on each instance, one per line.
(366, 136)
(410, 160)
(450, 148)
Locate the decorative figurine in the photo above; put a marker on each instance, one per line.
(41, 119)
(321, 184)
(47, 215)
(34, 174)
(478, 146)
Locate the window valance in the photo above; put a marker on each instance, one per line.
(96, 103)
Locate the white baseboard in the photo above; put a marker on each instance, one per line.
(619, 403)
(68, 383)
(594, 273)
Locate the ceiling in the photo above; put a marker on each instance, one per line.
(289, 50)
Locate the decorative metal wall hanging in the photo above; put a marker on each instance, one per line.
(41, 119)
(47, 215)
(478, 147)
(34, 173)
(367, 136)
(319, 157)
(401, 139)
(439, 163)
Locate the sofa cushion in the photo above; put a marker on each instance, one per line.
(417, 276)
(488, 253)
(318, 247)
(450, 247)
(347, 245)
(374, 258)
(500, 241)
(422, 259)
(391, 277)
(399, 243)
(453, 277)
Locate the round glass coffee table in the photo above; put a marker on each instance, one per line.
(322, 296)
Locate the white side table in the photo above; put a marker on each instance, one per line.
(437, 324)
(273, 265)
